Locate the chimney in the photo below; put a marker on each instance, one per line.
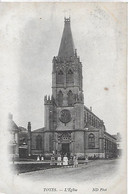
(91, 108)
(29, 139)
(29, 126)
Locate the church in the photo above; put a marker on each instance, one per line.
(70, 127)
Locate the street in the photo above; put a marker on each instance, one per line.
(94, 170)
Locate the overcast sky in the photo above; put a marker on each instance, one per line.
(30, 37)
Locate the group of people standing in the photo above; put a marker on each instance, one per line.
(40, 158)
(65, 161)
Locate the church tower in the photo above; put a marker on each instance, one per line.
(64, 110)
(67, 83)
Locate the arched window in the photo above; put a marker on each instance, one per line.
(94, 122)
(98, 123)
(60, 72)
(60, 98)
(70, 76)
(38, 142)
(60, 77)
(89, 121)
(70, 72)
(70, 98)
(91, 140)
(87, 117)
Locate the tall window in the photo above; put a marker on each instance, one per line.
(91, 140)
(94, 123)
(60, 98)
(70, 76)
(91, 120)
(60, 77)
(87, 117)
(70, 98)
(38, 142)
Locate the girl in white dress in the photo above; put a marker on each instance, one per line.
(65, 160)
(38, 158)
(59, 160)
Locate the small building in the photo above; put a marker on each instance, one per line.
(23, 142)
(14, 138)
(18, 144)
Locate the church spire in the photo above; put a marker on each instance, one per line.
(67, 46)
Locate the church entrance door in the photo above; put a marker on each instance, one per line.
(65, 149)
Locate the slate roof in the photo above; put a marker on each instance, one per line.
(39, 130)
(67, 46)
(117, 137)
(12, 126)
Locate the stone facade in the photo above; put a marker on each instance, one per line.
(70, 127)
(119, 144)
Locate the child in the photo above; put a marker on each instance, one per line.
(59, 160)
(86, 160)
(75, 161)
(65, 160)
(38, 158)
(71, 161)
(52, 160)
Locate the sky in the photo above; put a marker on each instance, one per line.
(30, 38)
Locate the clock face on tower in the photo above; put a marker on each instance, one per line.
(65, 116)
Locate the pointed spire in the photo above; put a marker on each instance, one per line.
(67, 45)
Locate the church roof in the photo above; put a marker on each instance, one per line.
(12, 126)
(67, 46)
(85, 107)
(90, 127)
(108, 134)
(39, 130)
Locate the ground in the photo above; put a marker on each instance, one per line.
(94, 170)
